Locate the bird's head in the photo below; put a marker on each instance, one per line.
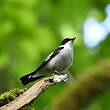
(68, 41)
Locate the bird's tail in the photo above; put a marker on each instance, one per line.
(29, 78)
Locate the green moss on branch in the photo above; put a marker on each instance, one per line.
(10, 96)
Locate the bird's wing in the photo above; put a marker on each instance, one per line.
(52, 55)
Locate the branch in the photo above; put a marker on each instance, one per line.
(85, 88)
(31, 94)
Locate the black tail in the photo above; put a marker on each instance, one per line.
(28, 78)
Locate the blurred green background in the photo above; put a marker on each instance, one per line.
(31, 29)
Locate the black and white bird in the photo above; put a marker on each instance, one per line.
(57, 62)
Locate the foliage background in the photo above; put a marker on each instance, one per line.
(31, 29)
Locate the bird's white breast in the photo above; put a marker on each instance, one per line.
(62, 60)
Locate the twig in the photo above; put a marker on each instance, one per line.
(31, 94)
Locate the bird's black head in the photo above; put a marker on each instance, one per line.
(67, 40)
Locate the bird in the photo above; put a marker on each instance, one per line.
(56, 63)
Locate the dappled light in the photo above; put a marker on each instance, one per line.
(94, 31)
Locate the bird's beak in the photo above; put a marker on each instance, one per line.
(73, 38)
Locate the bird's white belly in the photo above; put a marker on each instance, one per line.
(61, 61)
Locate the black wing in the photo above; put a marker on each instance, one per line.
(49, 58)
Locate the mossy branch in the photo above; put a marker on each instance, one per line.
(7, 97)
(85, 88)
(28, 97)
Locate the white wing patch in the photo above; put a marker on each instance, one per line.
(48, 57)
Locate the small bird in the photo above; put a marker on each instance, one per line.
(57, 62)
